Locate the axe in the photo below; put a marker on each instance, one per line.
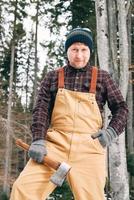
(61, 168)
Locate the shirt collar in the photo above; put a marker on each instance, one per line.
(84, 69)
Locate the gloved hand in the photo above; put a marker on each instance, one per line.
(37, 150)
(105, 136)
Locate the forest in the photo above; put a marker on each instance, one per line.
(32, 36)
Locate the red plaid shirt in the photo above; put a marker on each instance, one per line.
(78, 80)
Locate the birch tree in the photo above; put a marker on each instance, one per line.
(130, 97)
(6, 185)
(130, 136)
(111, 19)
(102, 34)
(1, 33)
(36, 46)
(16, 8)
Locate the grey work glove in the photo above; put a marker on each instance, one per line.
(105, 136)
(37, 150)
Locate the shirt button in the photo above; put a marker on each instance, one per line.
(75, 89)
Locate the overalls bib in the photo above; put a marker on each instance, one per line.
(75, 118)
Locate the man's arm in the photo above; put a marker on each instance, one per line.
(119, 110)
(40, 116)
(40, 121)
(117, 106)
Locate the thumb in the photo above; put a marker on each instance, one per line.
(96, 135)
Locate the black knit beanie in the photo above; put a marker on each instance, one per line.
(83, 35)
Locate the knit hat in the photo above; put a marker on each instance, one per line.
(83, 35)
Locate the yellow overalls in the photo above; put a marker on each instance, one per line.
(75, 118)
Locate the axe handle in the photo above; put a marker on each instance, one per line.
(47, 161)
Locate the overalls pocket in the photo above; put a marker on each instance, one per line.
(97, 147)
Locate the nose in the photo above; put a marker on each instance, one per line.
(79, 54)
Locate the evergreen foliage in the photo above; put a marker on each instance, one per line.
(3, 196)
(63, 192)
(83, 14)
(130, 163)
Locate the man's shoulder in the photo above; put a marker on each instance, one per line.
(56, 70)
(103, 75)
(102, 71)
(52, 74)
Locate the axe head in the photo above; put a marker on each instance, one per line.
(59, 176)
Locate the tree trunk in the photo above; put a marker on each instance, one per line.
(123, 46)
(7, 173)
(130, 135)
(6, 185)
(118, 166)
(36, 57)
(107, 54)
(112, 29)
(102, 34)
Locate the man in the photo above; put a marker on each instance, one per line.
(68, 125)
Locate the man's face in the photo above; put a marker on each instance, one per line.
(78, 55)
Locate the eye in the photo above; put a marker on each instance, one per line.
(84, 49)
(74, 49)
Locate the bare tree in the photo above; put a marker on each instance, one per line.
(102, 35)
(6, 185)
(112, 41)
(130, 135)
(36, 56)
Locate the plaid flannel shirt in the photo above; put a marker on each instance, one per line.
(78, 80)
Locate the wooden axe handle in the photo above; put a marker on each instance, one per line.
(47, 161)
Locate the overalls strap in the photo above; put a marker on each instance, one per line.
(93, 80)
(61, 77)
